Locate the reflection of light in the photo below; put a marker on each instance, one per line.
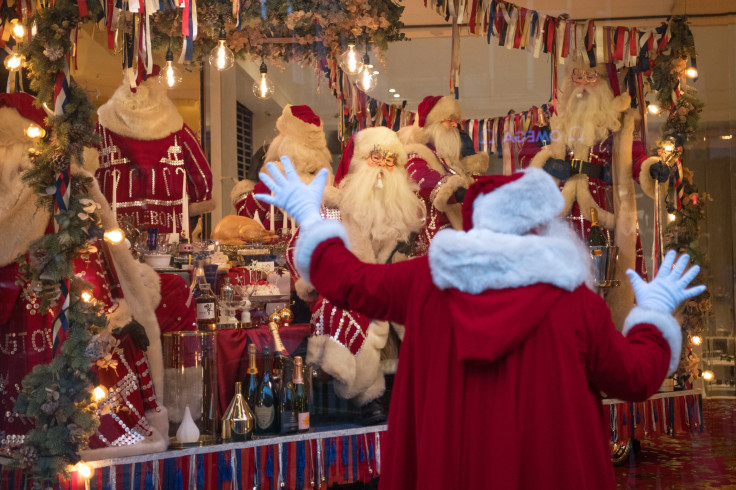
(86, 297)
(653, 109)
(668, 147)
(692, 72)
(34, 131)
(99, 393)
(708, 375)
(391, 90)
(350, 60)
(263, 88)
(397, 96)
(18, 31)
(697, 340)
(83, 470)
(726, 136)
(114, 236)
(367, 80)
(671, 217)
(13, 62)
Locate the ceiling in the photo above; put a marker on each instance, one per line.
(493, 79)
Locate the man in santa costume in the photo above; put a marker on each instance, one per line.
(148, 156)
(376, 203)
(132, 421)
(596, 156)
(301, 136)
(506, 349)
(436, 163)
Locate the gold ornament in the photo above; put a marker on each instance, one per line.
(286, 315)
(275, 317)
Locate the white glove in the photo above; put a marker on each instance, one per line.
(667, 289)
(299, 200)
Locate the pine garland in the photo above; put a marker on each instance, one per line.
(683, 113)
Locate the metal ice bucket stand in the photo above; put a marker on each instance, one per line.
(604, 265)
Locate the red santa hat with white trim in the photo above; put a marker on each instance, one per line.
(512, 204)
(362, 143)
(300, 122)
(435, 108)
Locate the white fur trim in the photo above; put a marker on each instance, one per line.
(446, 107)
(378, 136)
(310, 237)
(12, 125)
(155, 443)
(665, 323)
(305, 132)
(24, 215)
(519, 206)
(475, 164)
(240, 190)
(478, 260)
(147, 114)
(305, 290)
(410, 135)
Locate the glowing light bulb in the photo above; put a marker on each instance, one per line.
(653, 109)
(668, 147)
(692, 72)
(99, 393)
(84, 470)
(34, 131)
(708, 375)
(671, 217)
(86, 296)
(170, 77)
(263, 88)
(697, 340)
(18, 30)
(350, 59)
(222, 57)
(114, 236)
(13, 62)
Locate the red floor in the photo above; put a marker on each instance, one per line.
(704, 461)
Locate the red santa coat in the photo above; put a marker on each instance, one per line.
(150, 176)
(502, 388)
(247, 205)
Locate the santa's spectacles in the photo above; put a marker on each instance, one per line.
(584, 77)
(382, 158)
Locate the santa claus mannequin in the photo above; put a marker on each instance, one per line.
(596, 156)
(148, 156)
(301, 136)
(136, 422)
(435, 162)
(377, 204)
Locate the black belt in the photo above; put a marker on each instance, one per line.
(564, 169)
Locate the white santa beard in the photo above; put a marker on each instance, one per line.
(445, 140)
(586, 119)
(13, 161)
(390, 212)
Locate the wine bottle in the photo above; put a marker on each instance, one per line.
(596, 238)
(237, 422)
(287, 401)
(205, 305)
(302, 405)
(265, 404)
(251, 379)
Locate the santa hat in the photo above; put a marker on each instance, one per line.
(23, 105)
(435, 108)
(360, 145)
(301, 123)
(512, 204)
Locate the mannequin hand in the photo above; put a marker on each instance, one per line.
(667, 289)
(299, 200)
(659, 172)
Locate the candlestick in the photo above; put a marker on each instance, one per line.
(173, 229)
(293, 226)
(285, 223)
(272, 227)
(115, 182)
(185, 210)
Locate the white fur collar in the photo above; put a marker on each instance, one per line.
(147, 114)
(478, 260)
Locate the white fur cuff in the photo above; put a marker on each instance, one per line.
(665, 323)
(311, 237)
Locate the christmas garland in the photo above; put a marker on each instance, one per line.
(298, 31)
(682, 234)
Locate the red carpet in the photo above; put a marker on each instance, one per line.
(705, 460)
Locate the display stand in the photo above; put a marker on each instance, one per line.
(317, 459)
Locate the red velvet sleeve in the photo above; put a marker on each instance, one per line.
(199, 175)
(630, 368)
(379, 291)
(427, 178)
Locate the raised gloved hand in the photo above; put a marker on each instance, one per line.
(659, 172)
(667, 289)
(299, 200)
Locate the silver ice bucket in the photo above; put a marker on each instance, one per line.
(604, 265)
